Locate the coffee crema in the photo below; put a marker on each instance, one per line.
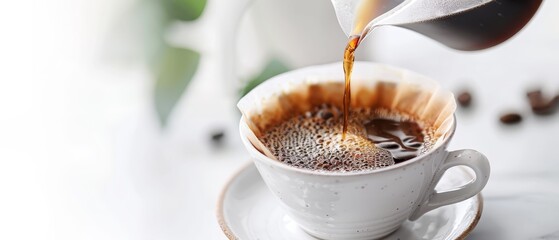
(375, 138)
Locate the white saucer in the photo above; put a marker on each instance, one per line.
(247, 210)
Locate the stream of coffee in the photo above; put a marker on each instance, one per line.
(349, 58)
(367, 11)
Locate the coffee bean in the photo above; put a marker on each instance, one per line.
(464, 99)
(217, 137)
(539, 104)
(510, 118)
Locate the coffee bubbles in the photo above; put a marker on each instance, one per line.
(313, 140)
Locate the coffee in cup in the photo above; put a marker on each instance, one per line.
(375, 137)
(291, 128)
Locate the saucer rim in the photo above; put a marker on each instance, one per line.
(231, 236)
(219, 210)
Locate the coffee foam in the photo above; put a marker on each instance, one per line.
(314, 141)
(373, 87)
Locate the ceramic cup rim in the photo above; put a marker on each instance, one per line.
(259, 155)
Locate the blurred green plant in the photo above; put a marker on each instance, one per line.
(272, 68)
(184, 10)
(173, 67)
(175, 70)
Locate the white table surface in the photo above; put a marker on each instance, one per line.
(82, 157)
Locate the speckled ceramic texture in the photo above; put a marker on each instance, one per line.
(366, 205)
(247, 210)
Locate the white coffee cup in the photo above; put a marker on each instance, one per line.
(366, 204)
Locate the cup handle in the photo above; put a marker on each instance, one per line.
(470, 158)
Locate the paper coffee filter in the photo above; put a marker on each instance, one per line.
(373, 86)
